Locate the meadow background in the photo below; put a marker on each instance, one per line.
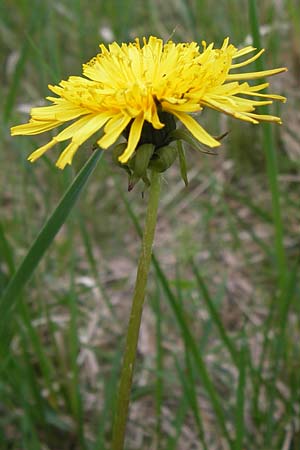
(219, 353)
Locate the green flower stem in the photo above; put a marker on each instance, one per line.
(123, 397)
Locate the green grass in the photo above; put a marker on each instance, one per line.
(218, 364)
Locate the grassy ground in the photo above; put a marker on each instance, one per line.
(218, 364)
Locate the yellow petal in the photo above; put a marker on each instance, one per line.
(34, 127)
(253, 75)
(247, 61)
(62, 112)
(41, 150)
(67, 155)
(185, 107)
(193, 126)
(85, 131)
(265, 117)
(133, 139)
(152, 117)
(244, 51)
(80, 127)
(229, 110)
(112, 132)
(79, 131)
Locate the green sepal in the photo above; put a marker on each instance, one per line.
(189, 139)
(132, 181)
(117, 151)
(163, 158)
(182, 162)
(222, 136)
(139, 163)
(146, 180)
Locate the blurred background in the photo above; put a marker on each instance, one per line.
(226, 278)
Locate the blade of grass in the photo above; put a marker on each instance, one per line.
(228, 343)
(43, 241)
(29, 433)
(240, 400)
(159, 386)
(6, 252)
(187, 376)
(188, 382)
(17, 75)
(93, 265)
(23, 379)
(279, 345)
(272, 173)
(76, 400)
(260, 242)
(50, 42)
(246, 201)
(294, 14)
(182, 410)
(195, 351)
(20, 66)
(271, 159)
(110, 385)
(208, 326)
(186, 14)
(82, 27)
(47, 70)
(45, 364)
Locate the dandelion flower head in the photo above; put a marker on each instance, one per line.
(126, 85)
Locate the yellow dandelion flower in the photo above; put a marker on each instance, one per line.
(131, 85)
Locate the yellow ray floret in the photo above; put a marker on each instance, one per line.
(126, 85)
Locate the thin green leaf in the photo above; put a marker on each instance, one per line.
(182, 162)
(240, 400)
(110, 386)
(6, 252)
(215, 316)
(271, 159)
(76, 401)
(187, 379)
(94, 266)
(159, 385)
(178, 423)
(43, 241)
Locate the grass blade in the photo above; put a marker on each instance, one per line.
(280, 346)
(94, 266)
(187, 379)
(178, 424)
(110, 383)
(159, 386)
(271, 159)
(43, 241)
(240, 400)
(215, 315)
(6, 252)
